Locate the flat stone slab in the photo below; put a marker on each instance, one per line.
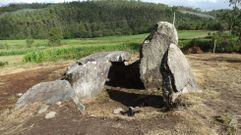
(84, 79)
(116, 56)
(89, 74)
(46, 93)
(88, 80)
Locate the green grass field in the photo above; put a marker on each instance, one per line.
(76, 48)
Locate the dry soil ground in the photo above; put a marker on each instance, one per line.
(217, 110)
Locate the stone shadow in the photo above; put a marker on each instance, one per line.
(134, 100)
(128, 77)
(220, 59)
(227, 59)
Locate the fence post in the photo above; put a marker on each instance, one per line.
(214, 45)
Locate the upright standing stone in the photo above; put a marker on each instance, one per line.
(163, 65)
(180, 70)
(152, 52)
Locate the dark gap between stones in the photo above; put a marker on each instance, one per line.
(124, 76)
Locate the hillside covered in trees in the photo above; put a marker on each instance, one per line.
(93, 19)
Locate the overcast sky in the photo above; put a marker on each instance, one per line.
(203, 4)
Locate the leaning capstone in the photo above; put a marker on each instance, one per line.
(89, 74)
(46, 93)
(117, 56)
(89, 79)
(153, 50)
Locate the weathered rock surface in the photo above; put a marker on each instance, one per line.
(152, 52)
(181, 71)
(117, 56)
(163, 65)
(47, 93)
(84, 79)
(88, 80)
(89, 74)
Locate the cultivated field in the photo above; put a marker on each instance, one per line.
(39, 51)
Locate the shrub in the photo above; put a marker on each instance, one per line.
(225, 44)
(29, 42)
(55, 36)
(3, 63)
(228, 44)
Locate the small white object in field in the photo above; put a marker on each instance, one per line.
(50, 115)
(59, 103)
(19, 95)
(118, 110)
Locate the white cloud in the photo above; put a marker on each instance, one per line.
(214, 1)
(32, 1)
(203, 4)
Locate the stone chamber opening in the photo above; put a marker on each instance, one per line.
(125, 76)
(126, 87)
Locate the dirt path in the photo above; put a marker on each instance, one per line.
(210, 112)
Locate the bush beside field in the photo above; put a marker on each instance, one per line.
(223, 45)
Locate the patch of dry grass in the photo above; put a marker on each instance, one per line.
(12, 121)
(191, 117)
(16, 68)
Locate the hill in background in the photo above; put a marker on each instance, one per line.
(94, 19)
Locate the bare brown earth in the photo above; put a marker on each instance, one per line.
(217, 110)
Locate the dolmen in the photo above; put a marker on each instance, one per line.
(84, 79)
(162, 66)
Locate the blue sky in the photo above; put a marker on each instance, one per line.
(203, 4)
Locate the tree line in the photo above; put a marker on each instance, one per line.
(92, 19)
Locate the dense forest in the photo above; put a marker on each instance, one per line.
(93, 19)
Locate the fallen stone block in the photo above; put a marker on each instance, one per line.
(89, 74)
(46, 93)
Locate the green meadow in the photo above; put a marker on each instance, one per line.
(40, 51)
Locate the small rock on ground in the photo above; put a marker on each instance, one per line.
(43, 109)
(118, 110)
(50, 115)
(19, 95)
